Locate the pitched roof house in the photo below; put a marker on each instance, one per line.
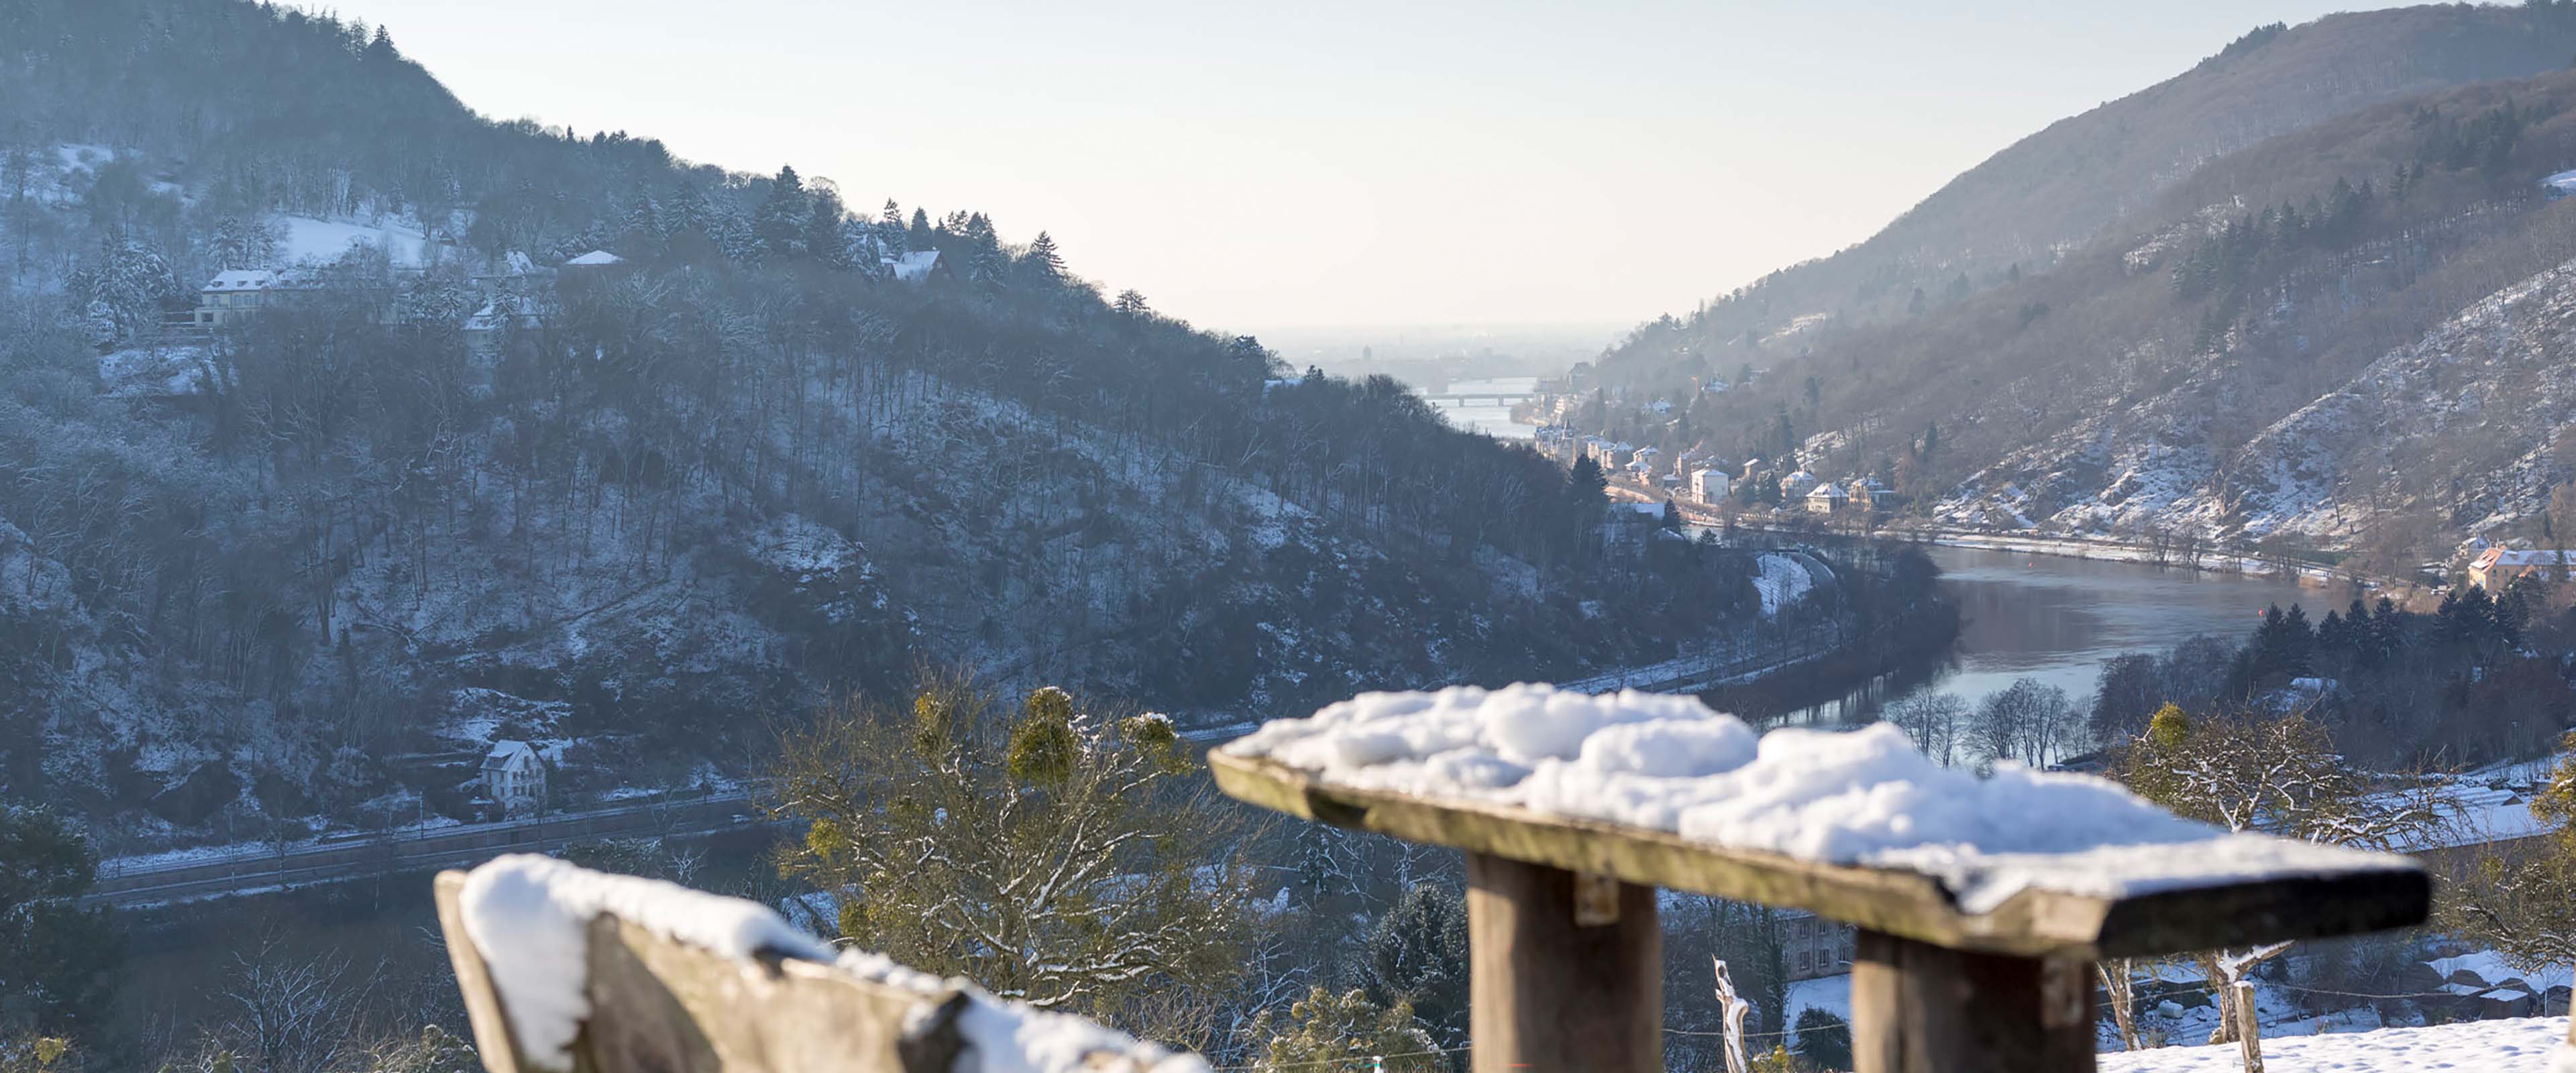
(2497, 567)
(514, 776)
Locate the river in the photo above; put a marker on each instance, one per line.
(1495, 421)
(2059, 619)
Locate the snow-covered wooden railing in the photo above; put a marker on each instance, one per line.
(1982, 903)
(568, 969)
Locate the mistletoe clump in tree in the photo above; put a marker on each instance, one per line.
(2522, 899)
(1327, 1031)
(2276, 774)
(1066, 860)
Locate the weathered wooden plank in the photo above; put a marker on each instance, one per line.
(661, 1005)
(1899, 903)
(1547, 991)
(1920, 1008)
(666, 1006)
(492, 1036)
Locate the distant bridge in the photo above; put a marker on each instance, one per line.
(1490, 398)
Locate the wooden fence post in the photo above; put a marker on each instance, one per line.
(1549, 992)
(2249, 1034)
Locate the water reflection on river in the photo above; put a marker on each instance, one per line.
(2058, 620)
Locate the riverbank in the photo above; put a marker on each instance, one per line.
(1905, 649)
(2187, 555)
(2059, 619)
(2109, 550)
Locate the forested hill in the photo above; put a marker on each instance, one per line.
(450, 484)
(2342, 328)
(2094, 175)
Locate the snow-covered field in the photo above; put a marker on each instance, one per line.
(1782, 580)
(2512, 1046)
(2295, 1044)
(308, 240)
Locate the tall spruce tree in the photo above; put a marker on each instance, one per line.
(826, 240)
(1417, 955)
(779, 225)
(58, 975)
(1043, 265)
(890, 234)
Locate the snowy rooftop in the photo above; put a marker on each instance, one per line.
(914, 266)
(243, 279)
(505, 750)
(596, 259)
(2520, 557)
(1668, 765)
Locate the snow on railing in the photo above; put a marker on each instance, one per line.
(568, 969)
(1981, 902)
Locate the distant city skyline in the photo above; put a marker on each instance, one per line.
(1338, 166)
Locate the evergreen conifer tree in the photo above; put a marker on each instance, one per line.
(779, 225)
(687, 211)
(1043, 264)
(1824, 1040)
(825, 240)
(1417, 955)
(890, 234)
(63, 959)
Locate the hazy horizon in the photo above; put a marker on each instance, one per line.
(1268, 171)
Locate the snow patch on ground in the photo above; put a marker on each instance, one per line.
(804, 549)
(1864, 797)
(1782, 581)
(309, 240)
(156, 371)
(2468, 1046)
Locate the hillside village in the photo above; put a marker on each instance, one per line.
(2066, 390)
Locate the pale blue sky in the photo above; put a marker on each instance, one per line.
(1330, 163)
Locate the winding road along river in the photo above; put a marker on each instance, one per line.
(2059, 619)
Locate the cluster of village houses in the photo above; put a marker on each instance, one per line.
(1708, 480)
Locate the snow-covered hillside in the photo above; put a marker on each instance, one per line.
(2461, 426)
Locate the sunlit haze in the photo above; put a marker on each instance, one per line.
(1267, 167)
